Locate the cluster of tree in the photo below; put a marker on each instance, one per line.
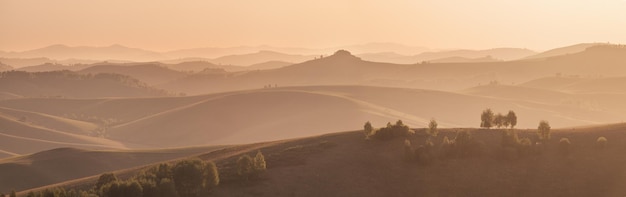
(513, 146)
(58, 192)
(191, 177)
(12, 194)
(463, 145)
(250, 168)
(488, 119)
(389, 132)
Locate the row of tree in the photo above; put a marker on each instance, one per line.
(488, 119)
(186, 178)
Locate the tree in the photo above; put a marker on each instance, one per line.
(212, 176)
(259, 163)
(486, 119)
(188, 177)
(132, 189)
(167, 188)
(543, 131)
(498, 120)
(432, 128)
(245, 167)
(367, 128)
(511, 118)
(104, 179)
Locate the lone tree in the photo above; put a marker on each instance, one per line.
(432, 128)
(367, 128)
(512, 118)
(486, 119)
(543, 131)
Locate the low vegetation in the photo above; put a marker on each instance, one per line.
(390, 131)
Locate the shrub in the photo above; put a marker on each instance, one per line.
(391, 131)
(564, 146)
(464, 145)
(601, 143)
(408, 152)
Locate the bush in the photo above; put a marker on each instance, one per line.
(408, 152)
(564, 146)
(601, 143)
(391, 131)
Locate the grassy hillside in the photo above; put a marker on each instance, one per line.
(62, 164)
(344, 164)
(288, 112)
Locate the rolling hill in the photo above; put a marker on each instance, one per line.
(607, 85)
(343, 68)
(502, 54)
(345, 164)
(289, 112)
(260, 57)
(73, 85)
(150, 73)
(577, 48)
(62, 164)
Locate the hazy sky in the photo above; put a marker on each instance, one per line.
(174, 24)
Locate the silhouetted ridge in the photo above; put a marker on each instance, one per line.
(343, 54)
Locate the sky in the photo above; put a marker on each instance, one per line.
(164, 25)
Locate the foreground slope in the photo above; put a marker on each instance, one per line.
(344, 164)
(62, 164)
